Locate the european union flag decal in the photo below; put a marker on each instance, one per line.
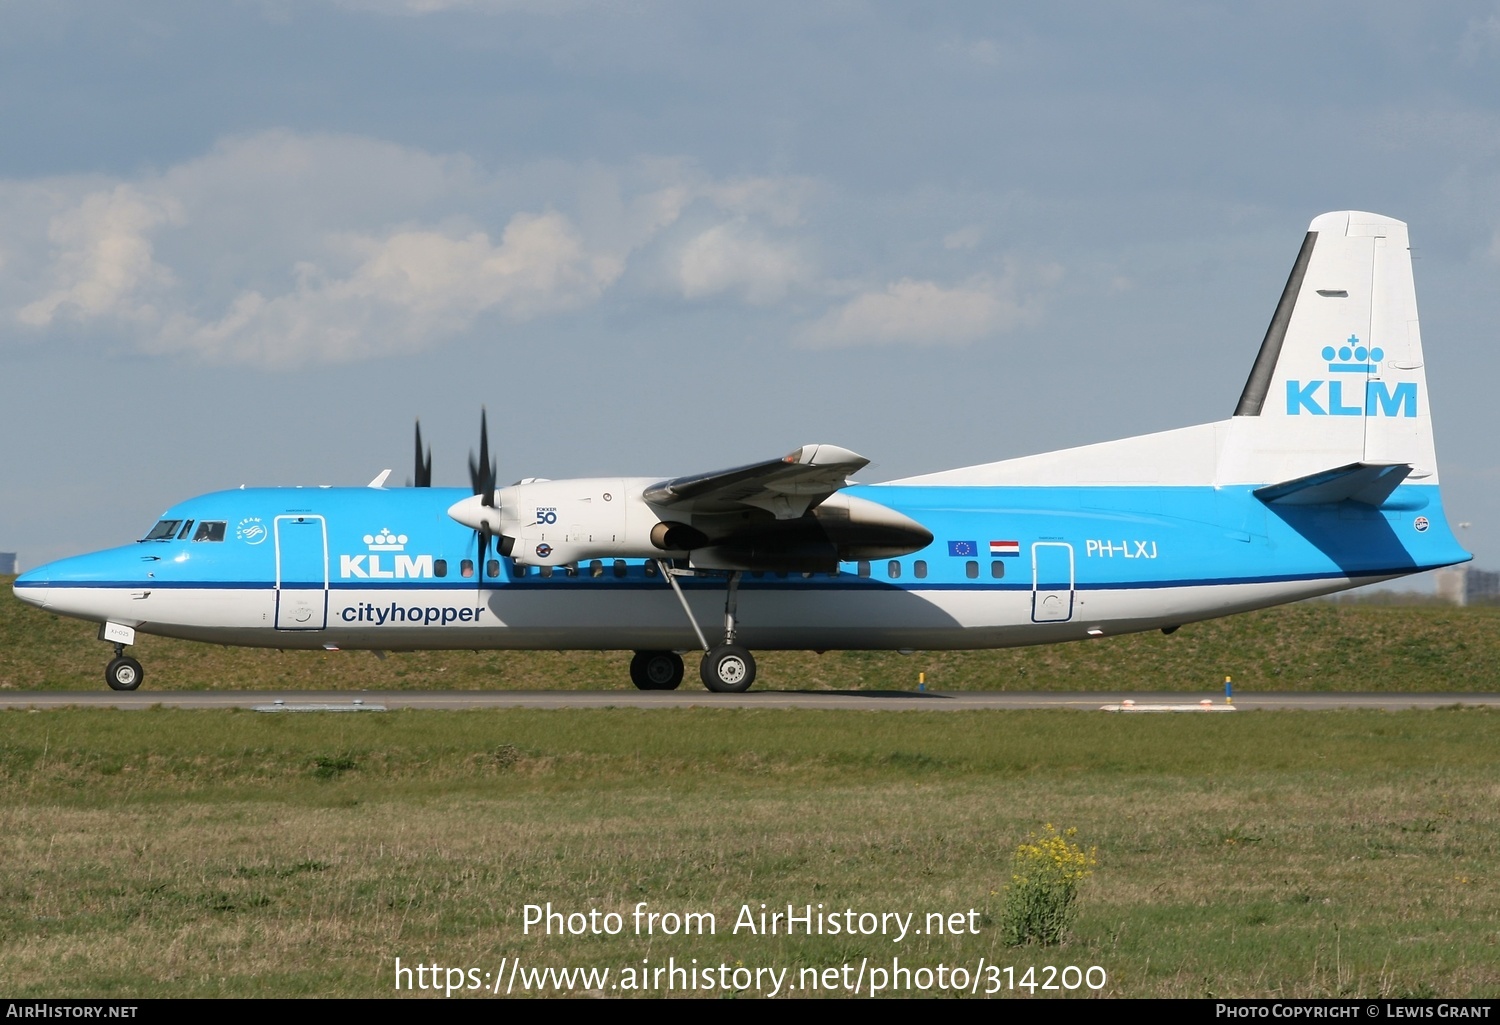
(963, 549)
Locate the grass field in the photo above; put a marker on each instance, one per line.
(180, 853)
(1317, 646)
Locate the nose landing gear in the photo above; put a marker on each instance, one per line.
(123, 672)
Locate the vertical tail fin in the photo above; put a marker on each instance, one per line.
(1339, 378)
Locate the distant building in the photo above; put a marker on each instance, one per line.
(1461, 585)
(7, 564)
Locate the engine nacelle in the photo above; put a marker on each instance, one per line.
(556, 522)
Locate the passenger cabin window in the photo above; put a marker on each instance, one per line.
(545, 571)
(864, 568)
(439, 567)
(492, 568)
(997, 569)
(596, 568)
(466, 568)
(971, 570)
(164, 530)
(619, 567)
(209, 530)
(919, 569)
(894, 569)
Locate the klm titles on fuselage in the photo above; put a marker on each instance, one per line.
(1327, 398)
(370, 567)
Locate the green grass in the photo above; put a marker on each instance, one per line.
(1312, 646)
(185, 853)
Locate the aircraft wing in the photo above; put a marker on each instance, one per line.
(787, 487)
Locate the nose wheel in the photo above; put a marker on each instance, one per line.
(123, 673)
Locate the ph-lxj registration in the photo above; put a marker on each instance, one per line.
(806, 920)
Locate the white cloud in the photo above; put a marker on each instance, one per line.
(102, 262)
(410, 286)
(924, 313)
(281, 250)
(734, 257)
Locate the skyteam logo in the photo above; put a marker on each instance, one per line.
(1331, 398)
(251, 530)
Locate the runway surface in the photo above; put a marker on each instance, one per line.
(882, 701)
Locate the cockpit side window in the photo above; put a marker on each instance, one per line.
(210, 530)
(164, 530)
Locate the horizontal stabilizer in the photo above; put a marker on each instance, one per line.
(1370, 483)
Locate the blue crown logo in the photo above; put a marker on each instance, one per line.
(1352, 358)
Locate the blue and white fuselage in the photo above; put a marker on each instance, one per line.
(1069, 561)
(1324, 478)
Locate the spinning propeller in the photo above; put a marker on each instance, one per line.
(424, 465)
(482, 479)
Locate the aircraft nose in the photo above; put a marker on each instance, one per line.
(29, 588)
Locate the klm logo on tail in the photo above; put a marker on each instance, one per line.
(1328, 398)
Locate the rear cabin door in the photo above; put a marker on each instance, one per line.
(1051, 582)
(301, 573)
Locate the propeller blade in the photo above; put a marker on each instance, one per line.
(484, 557)
(424, 466)
(482, 473)
(482, 478)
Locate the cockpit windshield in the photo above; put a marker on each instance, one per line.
(180, 530)
(164, 530)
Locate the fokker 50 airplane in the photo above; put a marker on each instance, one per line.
(1324, 478)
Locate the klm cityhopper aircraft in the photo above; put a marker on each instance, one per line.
(1324, 478)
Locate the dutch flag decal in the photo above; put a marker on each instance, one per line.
(1003, 548)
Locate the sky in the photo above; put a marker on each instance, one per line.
(252, 242)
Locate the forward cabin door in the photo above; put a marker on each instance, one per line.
(1051, 582)
(301, 573)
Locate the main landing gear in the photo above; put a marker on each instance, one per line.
(656, 670)
(726, 668)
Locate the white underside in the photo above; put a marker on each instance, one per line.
(768, 618)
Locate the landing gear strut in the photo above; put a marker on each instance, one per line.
(726, 668)
(656, 670)
(123, 672)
